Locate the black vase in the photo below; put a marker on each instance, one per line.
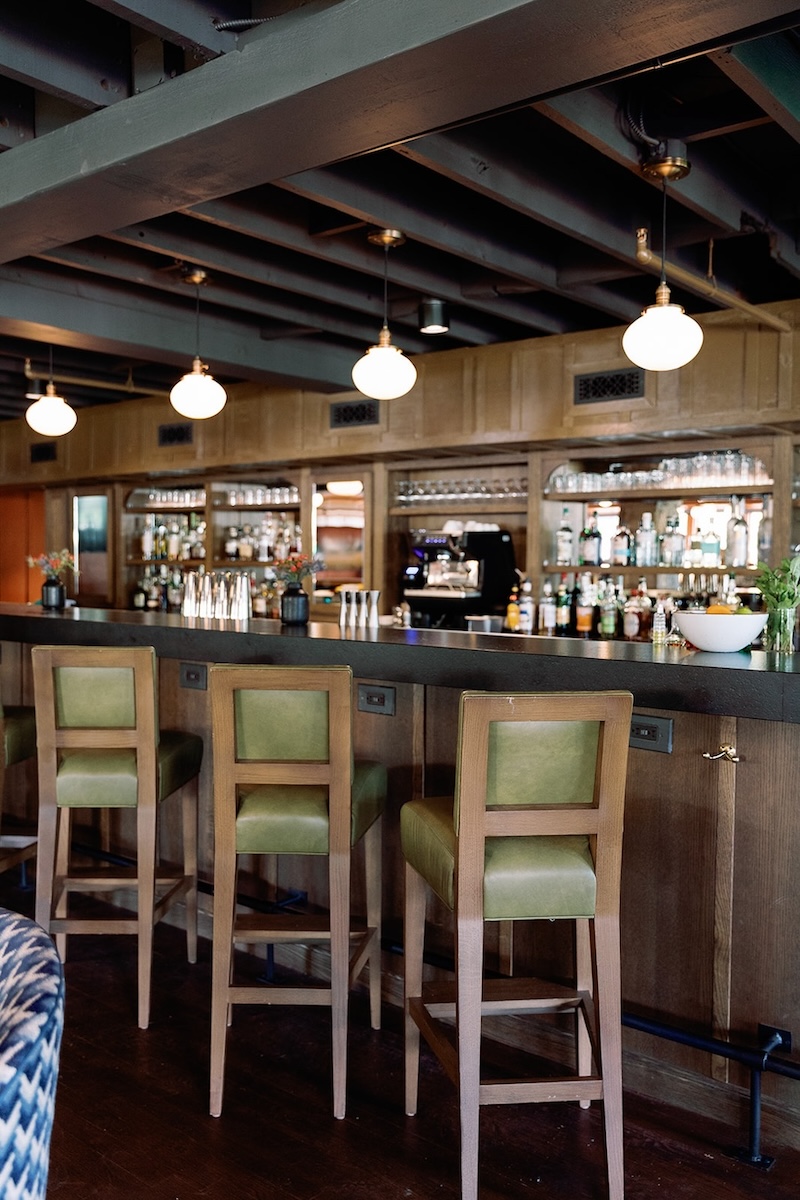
(294, 605)
(54, 594)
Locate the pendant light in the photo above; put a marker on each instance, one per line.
(198, 395)
(384, 372)
(663, 337)
(50, 414)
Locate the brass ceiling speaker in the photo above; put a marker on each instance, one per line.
(668, 161)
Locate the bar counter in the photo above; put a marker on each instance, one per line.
(746, 684)
(710, 902)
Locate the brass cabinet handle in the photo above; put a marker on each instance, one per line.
(725, 751)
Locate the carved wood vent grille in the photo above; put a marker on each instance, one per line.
(609, 385)
(349, 414)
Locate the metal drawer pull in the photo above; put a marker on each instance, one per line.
(725, 751)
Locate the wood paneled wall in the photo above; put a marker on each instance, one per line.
(492, 397)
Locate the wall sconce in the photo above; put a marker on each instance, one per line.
(50, 414)
(433, 317)
(663, 337)
(384, 372)
(197, 395)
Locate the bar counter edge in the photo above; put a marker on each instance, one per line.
(750, 684)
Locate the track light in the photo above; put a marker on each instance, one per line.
(197, 395)
(384, 372)
(433, 316)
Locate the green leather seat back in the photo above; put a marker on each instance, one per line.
(94, 698)
(292, 726)
(281, 726)
(101, 697)
(524, 877)
(20, 733)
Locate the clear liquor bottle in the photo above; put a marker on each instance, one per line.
(564, 541)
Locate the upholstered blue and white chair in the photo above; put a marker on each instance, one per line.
(31, 1021)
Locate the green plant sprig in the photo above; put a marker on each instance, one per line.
(780, 586)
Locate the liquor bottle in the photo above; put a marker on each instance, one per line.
(246, 544)
(148, 537)
(547, 610)
(563, 608)
(645, 610)
(659, 633)
(646, 542)
(589, 544)
(709, 548)
(608, 612)
(231, 547)
(512, 611)
(564, 542)
(736, 548)
(765, 531)
(526, 607)
(139, 594)
(621, 544)
(265, 538)
(174, 540)
(584, 611)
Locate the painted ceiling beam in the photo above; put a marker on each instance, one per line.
(351, 77)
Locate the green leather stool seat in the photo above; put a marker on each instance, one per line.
(524, 877)
(276, 820)
(20, 732)
(109, 779)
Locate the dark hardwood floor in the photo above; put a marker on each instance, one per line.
(132, 1117)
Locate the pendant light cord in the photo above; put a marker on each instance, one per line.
(386, 286)
(663, 230)
(197, 321)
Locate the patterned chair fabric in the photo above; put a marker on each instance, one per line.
(31, 1021)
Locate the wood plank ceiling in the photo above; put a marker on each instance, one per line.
(261, 142)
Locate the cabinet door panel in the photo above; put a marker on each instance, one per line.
(668, 888)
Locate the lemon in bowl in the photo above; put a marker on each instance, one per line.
(721, 631)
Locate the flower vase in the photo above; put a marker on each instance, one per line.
(54, 594)
(294, 605)
(779, 632)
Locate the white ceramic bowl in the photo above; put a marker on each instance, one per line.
(720, 631)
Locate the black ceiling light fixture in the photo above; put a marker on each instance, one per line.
(433, 316)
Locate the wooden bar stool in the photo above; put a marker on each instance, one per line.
(285, 783)
(99, 746)
(18, 743)
(534, 832)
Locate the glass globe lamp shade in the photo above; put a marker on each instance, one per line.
(384, 372)
(198, 395)
(663, 337)
(50, 414)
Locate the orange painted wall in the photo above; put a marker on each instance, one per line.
(21, 534)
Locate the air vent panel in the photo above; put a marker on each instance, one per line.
(351, 414)
(602, 386)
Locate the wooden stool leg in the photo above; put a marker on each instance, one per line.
(63, 844)
(46, 862)
(469, 982)
(584, 982)
(609, 1007)
(222, 965)
(189, 805)
(339, 876)
(373, 842)
(413, 946)
(146, 854)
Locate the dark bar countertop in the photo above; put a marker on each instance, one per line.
(746, 684)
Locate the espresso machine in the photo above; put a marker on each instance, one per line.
(451, 576)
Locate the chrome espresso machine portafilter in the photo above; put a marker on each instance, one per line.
(451, 576)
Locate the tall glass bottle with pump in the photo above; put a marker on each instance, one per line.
(736, 548)
(646, 542)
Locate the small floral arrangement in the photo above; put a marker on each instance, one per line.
(295, 568)
(54, 563)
